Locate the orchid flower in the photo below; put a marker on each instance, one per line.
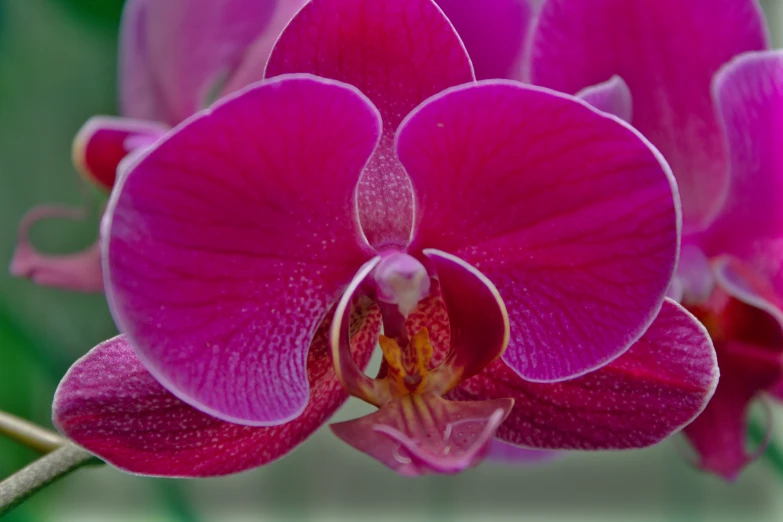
(174, 56)
(508, 247)
(701, 88)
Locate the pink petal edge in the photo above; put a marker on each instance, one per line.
(612, 96)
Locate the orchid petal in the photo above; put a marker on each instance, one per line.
(103, 142)
(668, 52)
(398, 52)
(417, 435)
(111, 405)
(777, 390)
(694, 274)
(560, 206)
(172, 53)
(719, 434)
(658, 386)
(139, 96)
(612, 96)
(749, 342)
(349, 373)
(252, 67)
(477, 315)
(79, 272)
(227, 242)
(749, 96)
(494, 34)
(506, 453)
(676, 290)
(743, 284)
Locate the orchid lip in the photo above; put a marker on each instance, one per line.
(417, 430)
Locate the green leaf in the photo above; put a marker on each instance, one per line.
(102, 13)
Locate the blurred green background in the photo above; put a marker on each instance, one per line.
(57, 68)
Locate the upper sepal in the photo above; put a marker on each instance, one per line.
(109, 404)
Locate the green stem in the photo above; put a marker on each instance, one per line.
(40, 474)
(175, 501)
(774, 453)
(29, 434)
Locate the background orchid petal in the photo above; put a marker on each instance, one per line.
(642, 397)
(79, 271)
(506, 453)
(719, 434)
(612, 96)
(568, 212)
(229, 240)
(104, 141)
(667, 51)
(111, 405)
(253, 64)
(494, 34)
(777, 390)
(454, 437)
(749, 96)
(477, 317)
(173, 53)
(694, 273)
(741, 282)
(139, 95)
(749, 342)
(397, 52)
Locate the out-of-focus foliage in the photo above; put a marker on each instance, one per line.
(104, 13)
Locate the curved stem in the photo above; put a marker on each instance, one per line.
(29, 434)
(41, 473)
(773, 453)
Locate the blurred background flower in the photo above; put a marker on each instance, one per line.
(58, 68)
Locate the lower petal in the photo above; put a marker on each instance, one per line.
(654, 389)
(109, 404)
(79, 272)
(417, 435)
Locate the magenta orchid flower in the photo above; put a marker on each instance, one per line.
(174, 57)
(508, 247)
(697, 88)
